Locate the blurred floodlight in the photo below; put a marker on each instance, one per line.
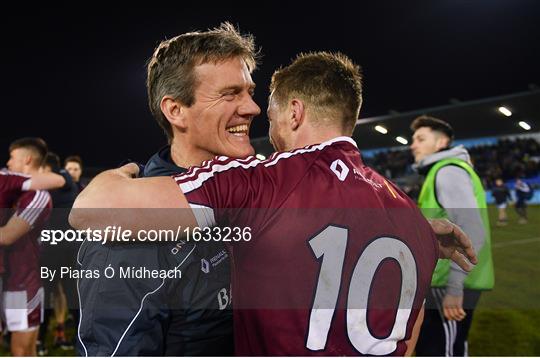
(381, 129)
(402, 140)
(524, 125)
(505, 111)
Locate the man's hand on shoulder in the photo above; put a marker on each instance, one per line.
(129, 171)
(454, 244)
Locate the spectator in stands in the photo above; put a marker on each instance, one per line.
(523, 193)
(73, 164)
(502, 197)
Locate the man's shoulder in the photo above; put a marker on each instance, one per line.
(452, 175)
(9, 180)
(161, 164)
(34, 199)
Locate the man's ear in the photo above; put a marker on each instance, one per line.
(442, 142)
(174, 111)
(297, 114)
(28, 158)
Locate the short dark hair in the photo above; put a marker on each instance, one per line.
(435, 124)
(52, 160)
(328, 82)
(37, 146)
(170, 70)
(73, 158)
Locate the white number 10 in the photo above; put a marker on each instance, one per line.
(331, 244)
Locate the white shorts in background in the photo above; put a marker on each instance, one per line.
(23, 314)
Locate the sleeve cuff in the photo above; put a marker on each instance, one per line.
(26, 185)
(204, 215)
(456, 279)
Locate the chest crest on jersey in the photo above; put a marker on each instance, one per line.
(340, 169)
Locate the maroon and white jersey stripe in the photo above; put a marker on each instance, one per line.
(22, 257)
(32, 205)
(11, 187)
(339, 261)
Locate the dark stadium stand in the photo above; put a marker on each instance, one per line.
(501, 149)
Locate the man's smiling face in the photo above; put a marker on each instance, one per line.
(220, 118)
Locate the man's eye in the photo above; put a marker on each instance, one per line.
(228, 96)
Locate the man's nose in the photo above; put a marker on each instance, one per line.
(249, 108)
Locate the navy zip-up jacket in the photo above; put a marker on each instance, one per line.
(189, 316)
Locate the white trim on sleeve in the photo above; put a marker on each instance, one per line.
(31, 213)
(204, 215)
(26, 185)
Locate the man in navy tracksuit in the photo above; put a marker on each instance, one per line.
(203, 77)
(174, 317)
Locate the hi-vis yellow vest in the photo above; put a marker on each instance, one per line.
(481, 277)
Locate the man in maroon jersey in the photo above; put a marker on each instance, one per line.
(340, 263)
(23, 293)
(12, 186)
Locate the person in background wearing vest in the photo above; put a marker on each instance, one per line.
(451, 190)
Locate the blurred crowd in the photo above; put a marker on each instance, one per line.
(506, 160)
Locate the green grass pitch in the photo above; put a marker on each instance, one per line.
(507, 319)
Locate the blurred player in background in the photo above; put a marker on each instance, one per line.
(451, 190)
(73, 164)
(524, 192)
(12, 186)
(502, 196)
(23, 297)
(60, 294)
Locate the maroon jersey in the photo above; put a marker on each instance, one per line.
(339, 260)
(11, 187)
(22, 257)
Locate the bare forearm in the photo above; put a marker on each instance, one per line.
(92, 207)
(46, 181)
(96, 192)
(5, 240)
(14, 229)
(114, 198)
(411, 343)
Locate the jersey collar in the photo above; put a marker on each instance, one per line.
(340, 139)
